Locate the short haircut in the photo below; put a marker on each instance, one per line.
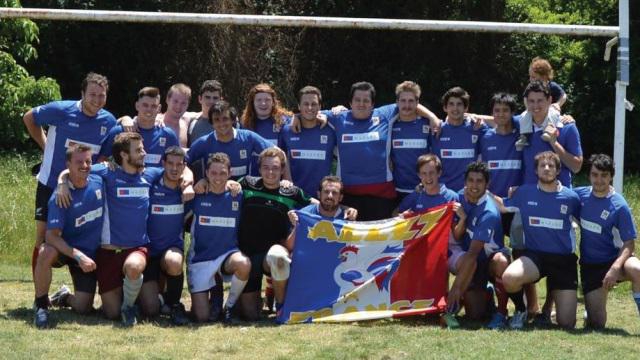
(477, 167)
(211, 85)
(456, 92)
(542, 67)
(179, 88)
(273, 152)
(76, 148)
(95, 78)
(149, 91)
(121, 143)
(408, 86)
(331, 179)
(221, 107)
(426, 158)
(547, 155)
(503, 99)
(603, 162)
(309, 90)
(537, 86)
(220, 158)
(175, 151)
(364, 86)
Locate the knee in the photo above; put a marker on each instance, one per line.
(510, 281)
(111, 312)
(83, 308)
(632, 269)
(279, 262)
(47, 255)
(243, 268)
(173, 265)
(133, 269)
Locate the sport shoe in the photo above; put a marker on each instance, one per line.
(498, 321)
(128, 315)
(179, 315)
(165, 309)
(215, 314)
(542, 320)
(450, 321)
(518, 320)
(59, 299)
(41, 318)
(229, 317)
(522, 142)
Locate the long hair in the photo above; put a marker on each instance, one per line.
(278, 112)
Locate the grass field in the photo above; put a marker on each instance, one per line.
(93, 337)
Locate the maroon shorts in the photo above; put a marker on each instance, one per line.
(109, 265)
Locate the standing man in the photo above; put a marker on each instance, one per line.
(156, 139)
(200, 125)
(546, 209)
(607, 239)
(69, 122)
(72, 239)
(176, 117)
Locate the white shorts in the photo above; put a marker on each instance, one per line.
(201, 275)
(455, 251)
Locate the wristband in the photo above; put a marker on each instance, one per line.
(77, 257)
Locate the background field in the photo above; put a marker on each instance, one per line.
(93, 337)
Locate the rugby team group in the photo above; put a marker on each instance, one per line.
(115, 197)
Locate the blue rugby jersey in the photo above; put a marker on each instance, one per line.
(409, 140)
(313, 210)
(166, 218)
(502, 158)
(418, 201)
(268, 129)
(155, 141)
(483, 224)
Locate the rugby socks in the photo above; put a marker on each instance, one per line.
(268, 293)
(34, 259)
(174, 289)
(501, 295)
(42, 302)
(636, 298)
(518, 300)
(235, 290)
(130, 290)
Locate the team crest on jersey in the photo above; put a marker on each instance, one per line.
(276, 128)
(474, 138)
(324, 139)
(235, 206)
(98, 194)
(604, 215)
(243, 154)
(563, 209)
(425, 129)
(375, 120)
(103, 130)
(162, 141)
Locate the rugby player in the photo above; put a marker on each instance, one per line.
(176, 117)
(200, 125)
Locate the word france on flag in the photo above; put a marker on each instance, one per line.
(350, 271)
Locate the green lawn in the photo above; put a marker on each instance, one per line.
(94, 337)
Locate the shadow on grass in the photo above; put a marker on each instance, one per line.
(58, 316)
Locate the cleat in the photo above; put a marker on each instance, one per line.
(522, 142)
(498, 321)
(542, 320)
(518, 320)
(41, 318)
(450, 321)
(59, 299)
(128, 315)
(179, 315)
(229, 317)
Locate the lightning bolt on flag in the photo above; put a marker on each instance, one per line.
(349, 271)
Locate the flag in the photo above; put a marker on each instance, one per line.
(348, 271)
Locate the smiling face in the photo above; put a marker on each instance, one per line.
(222, 125)
(94, 98)
(309, 106)
(177, 104)
(475, 185)
(271, 171)
(135, 157)
(79, 166)
(501, 114)
(217, 176)
(429, 177)
(407, 105)
(330, 196)
(455, 109)
(600, 181)
(147, 108)
(263, 105)
(361, 104)
(538, 105)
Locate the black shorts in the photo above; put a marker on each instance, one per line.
(43, 194)
(257, 270)
(481, 276)
(399, 197)
(82, 281)
(152, 271)
(506, 218)
(591, 275)
(561, 270)
(370, 207)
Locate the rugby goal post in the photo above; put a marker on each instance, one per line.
(619, 34)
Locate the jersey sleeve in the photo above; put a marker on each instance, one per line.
(556, 91)
(485, 228)
(387, 111)
(259, 143)
(152, 174)
(302, 199)
(172, 139)
(49, 114)
(408, 203)
(197, 150)
(572, 142)
(100, 169)
(512, 204)
(56, 215)
(106, 149)
(624, 224)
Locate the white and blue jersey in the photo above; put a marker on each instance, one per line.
(81, 223)
(457, 146)
(268, 129)
(314, 210)
(155, 141)
(214, 230)
(546, 217)
(605, 225)
(503, 160)
(310, 154)
(126, 206)
(239, 149)
(569, 138)
(68, 125)
(166, 219)
(409, 140)
(483, 224)
(364, 146)
(419, 201)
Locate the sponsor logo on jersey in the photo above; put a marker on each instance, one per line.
(74, 124)
(243, 154)
(532, 203)
(206, 204)
(308, 154)
(604, 215)
(492, 148)
(505, 165)
(359, 138)
(235, 205)
(88, 217)
(163, 141)
(563, 209)
(216, 221)
(445, 139)
(324, 139)
(78, 204)
(295, 138)
(70, 142)
(127, 192)
(591, 226)
(410, 144)
(103, 130)
(152, 158)
(457, 153)
(555, 224)
(174, 209)
(375, 120)
(98, 194)
(238, 170)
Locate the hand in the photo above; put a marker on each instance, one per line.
(128, 124)
(233, 187)
(188, 193)
(611, 278)
(201, 186)
(322, 120)
(453, 300)
(111, 165)
(160, 122)
(556, 106)
(476, 121)
(550, 134)
(567, 119)
(63, 195)
(405, 214)
(86, 263)
(512, 189)
(293, 217)
(185, 182)
(459, 210)
(286, 184)
(336, 110)
(436, 128)
(350, 214)
(296, 124)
